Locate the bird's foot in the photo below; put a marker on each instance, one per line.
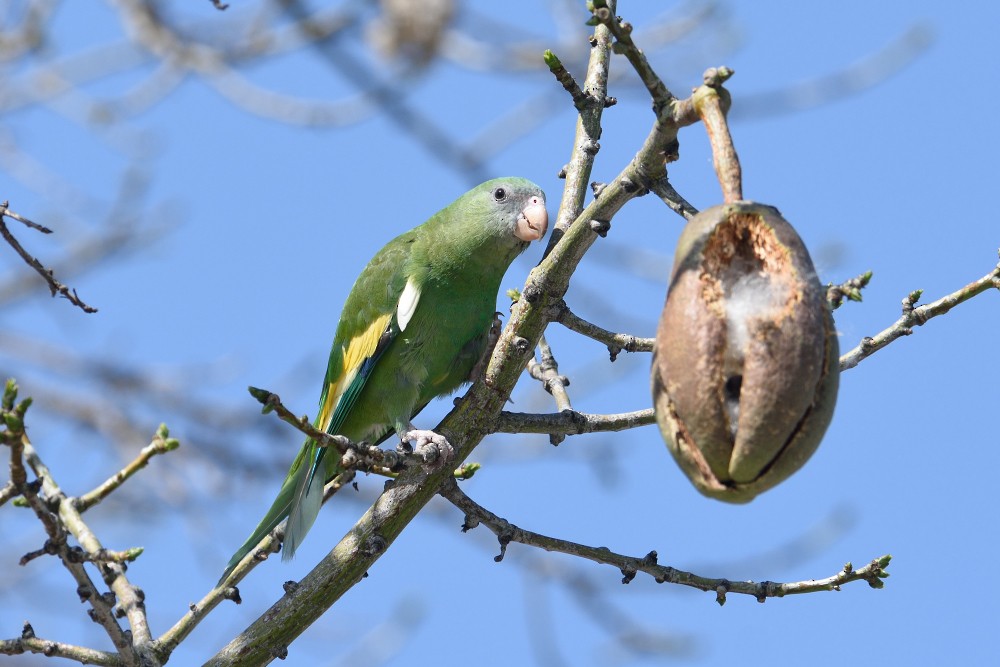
(430, 447)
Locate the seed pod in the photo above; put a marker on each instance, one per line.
(746, 361)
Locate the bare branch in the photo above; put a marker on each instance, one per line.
(8, 491)
(4, 211)
(161, 444)
(665, 191)
(272, 402)
(55, 286)
(130, 597)
(616, 342)
(629, 566)
(914, 316)
(546, 371)
(849, 289)
(566, 79)
(571, 422)
(29, 643)
(21, 451)
(354, 456)
(588, 132)
(604, 12)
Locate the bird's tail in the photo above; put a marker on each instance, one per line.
(298, 500)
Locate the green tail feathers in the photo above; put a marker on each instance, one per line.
(298, 500)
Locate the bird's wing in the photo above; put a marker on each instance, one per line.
(378, 309)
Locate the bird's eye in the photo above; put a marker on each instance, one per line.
(499, 194)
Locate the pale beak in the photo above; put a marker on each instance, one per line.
(533, 221)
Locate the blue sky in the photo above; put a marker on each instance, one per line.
(270, 223)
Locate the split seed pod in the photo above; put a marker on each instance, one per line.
(746, 362)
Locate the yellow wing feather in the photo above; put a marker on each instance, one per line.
(357, 350)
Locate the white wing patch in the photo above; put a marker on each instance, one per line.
(407, 304)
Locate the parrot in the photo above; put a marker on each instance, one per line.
(413, 328)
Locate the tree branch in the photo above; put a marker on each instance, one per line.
(849, 289)
(130, 598)
(914, 316)
(588, 133)
(616, 342)
(55, 286)
(571, 422)
(546, 371)
(161, 444)
(29, 643)
(21, 450)
(665, 191)
(507, 532)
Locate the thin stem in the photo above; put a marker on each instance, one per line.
(562, 75)
(629, 566)
(616, 342)
(55, 286)
(571, 422)
(665, 191)
(849, 289)
(130, 598)
(161, 444)
(914, 316)
(53, 649)
(546, 371)
(588, 133)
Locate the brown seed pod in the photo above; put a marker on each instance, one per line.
(746, 362)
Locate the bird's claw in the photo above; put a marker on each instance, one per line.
(429, 446)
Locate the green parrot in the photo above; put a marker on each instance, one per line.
(414, 326)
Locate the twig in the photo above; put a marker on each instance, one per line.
(616, 342)
(604, 13)
(546, 371)
(665, 191)
(8, 491)
(588, 133)
(914, 316)
(506, 532)
(53, 649)
(55, 286)
(849, 289)
(15, 437)
(566, 79)
(272, 401)
(161, 444)
(130, 598)
(4, 211)
(571, 422)
(166, 643)
(354, 456)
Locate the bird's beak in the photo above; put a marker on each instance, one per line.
(533, 221)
